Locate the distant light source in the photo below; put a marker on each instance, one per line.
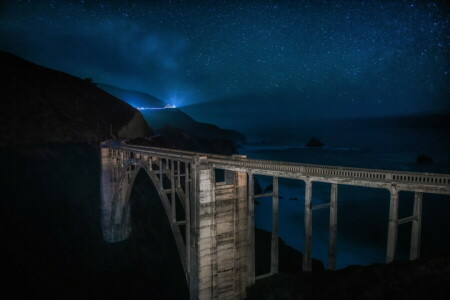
(147, 108)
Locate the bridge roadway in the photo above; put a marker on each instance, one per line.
(217, 250)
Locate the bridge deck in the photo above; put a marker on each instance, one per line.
(405, 181)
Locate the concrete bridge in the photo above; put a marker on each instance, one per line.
(217, 247)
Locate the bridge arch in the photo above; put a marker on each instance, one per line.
(116, 208)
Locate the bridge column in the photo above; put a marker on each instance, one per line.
(178, 174)
(203, 237)
(150, 162)
(393, 224)
(173, 202)
(187, 207)
(161, 172)
(251, 231)
(240, 267)
(333, 228)
(274, 243)
(108, 179)
(416, 226)
(307, 252)
(218, 234)
(114, 194)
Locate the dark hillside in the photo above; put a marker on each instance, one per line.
(132, 97)
(40, 105)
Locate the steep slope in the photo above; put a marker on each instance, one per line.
(132, 97)
(174, 117)
(174, 138)
(40, 105)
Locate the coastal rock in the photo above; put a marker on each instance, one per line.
(268, 188)
(290, 260)
(424, 159)
(314, 143)
(420, 279)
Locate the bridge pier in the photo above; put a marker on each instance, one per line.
(274, 242)
(116, 182)
(307, 252)
(394, 222)
(219, 252)
(251, 231)
(416, 226)
(173, 202)
(333, 228)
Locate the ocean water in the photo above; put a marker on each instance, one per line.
(362, 212)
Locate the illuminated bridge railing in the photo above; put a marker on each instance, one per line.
(376, 178)
(383, 177)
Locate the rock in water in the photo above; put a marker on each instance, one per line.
(424, 159)
(314, 143)
(268, 188)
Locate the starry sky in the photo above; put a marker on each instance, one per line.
(275, 59)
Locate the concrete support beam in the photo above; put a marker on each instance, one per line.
(416, 227)
(241, 202)
(274, 243)
(307, 252)
(107, 182)
(251, 232)
(178, 174)
(187, 207)
(161, 175)
(393, 226)
(333, 228)
(173, 202)
(203, 256)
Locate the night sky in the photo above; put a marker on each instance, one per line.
(286, 59)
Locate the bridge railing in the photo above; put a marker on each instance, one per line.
(381, 176)
(374, 175)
